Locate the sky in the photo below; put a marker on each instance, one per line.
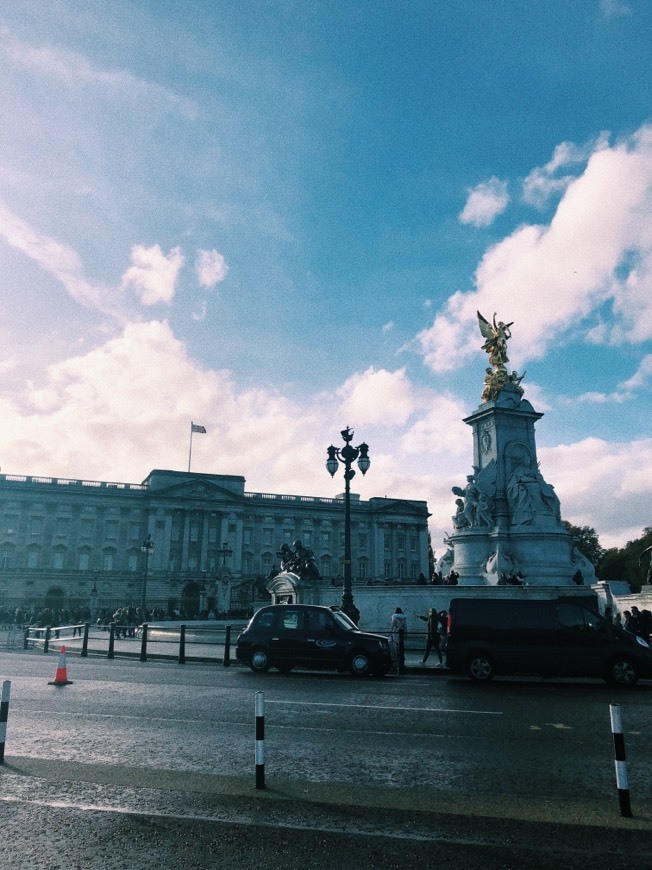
(278, 218)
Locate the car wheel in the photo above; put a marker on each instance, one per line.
(284, 668)
(259, 661)
(480, 667)
(360, 664)
(622, 672)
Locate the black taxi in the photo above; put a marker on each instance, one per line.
(311, 636)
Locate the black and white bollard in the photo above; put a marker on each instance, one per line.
(4, 715)
(621, 766)
(260, 739)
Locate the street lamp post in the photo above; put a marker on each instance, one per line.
(347, 455)
(147, 546)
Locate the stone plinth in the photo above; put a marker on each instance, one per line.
(508, 523)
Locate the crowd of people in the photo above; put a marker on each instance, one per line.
(436, 633)
(639, 622)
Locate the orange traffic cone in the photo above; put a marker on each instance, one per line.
(61, 676)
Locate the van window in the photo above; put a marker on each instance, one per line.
(576, 617)
(506, 615)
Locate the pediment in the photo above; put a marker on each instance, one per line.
(402, 506)
(203, 490)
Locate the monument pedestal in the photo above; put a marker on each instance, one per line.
(508, 527)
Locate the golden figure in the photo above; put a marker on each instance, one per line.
(496, 337)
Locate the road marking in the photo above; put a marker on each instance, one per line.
(389, 709)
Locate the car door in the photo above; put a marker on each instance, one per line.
(288, 643)
(325, 645)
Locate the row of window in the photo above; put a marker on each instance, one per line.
(87, 528)
(58, 559)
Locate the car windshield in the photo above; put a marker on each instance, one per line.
(343, 621)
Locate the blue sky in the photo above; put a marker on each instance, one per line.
(279, 218)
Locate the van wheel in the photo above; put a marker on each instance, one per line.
(480, 667)
(259, 661)
(622, 672)
(359, 664)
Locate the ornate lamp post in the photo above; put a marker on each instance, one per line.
(347, 456)
(147, 546)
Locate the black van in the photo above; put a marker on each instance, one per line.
(559, 637)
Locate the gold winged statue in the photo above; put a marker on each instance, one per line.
(496, 336)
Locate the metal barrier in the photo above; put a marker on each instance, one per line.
(184, 642)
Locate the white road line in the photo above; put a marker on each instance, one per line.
(389, 709)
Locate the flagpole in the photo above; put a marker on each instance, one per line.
(190, 448)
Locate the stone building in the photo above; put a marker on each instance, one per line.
(79, 543)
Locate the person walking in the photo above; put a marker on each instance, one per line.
(432, 636)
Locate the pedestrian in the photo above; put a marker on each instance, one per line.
(432, 637)
(397, 635)
(443, 629)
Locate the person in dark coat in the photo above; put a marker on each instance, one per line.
(433, 638)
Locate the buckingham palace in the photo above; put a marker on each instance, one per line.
(196, 542)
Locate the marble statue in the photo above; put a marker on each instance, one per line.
(475, 505)
(530, 496)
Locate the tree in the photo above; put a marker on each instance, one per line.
(623, 563)
(586, 540)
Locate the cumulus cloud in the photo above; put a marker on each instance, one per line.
(601, 484)
(485, 202)
(545, 181)
(211, 268)
(125, 407)
(597, 249)
(153, 274)
(378, 396)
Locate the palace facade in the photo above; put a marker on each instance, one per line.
(70, 544)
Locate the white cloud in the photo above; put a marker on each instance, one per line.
(642, 375)
(388, 327)
(73, 70)
(55, 258)
(614, 8)
(378, 396)
(124, 408)
(211, 268)
(153, 274)
(543, 182)
(485, 202)
(548, 279)
(604, 485)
